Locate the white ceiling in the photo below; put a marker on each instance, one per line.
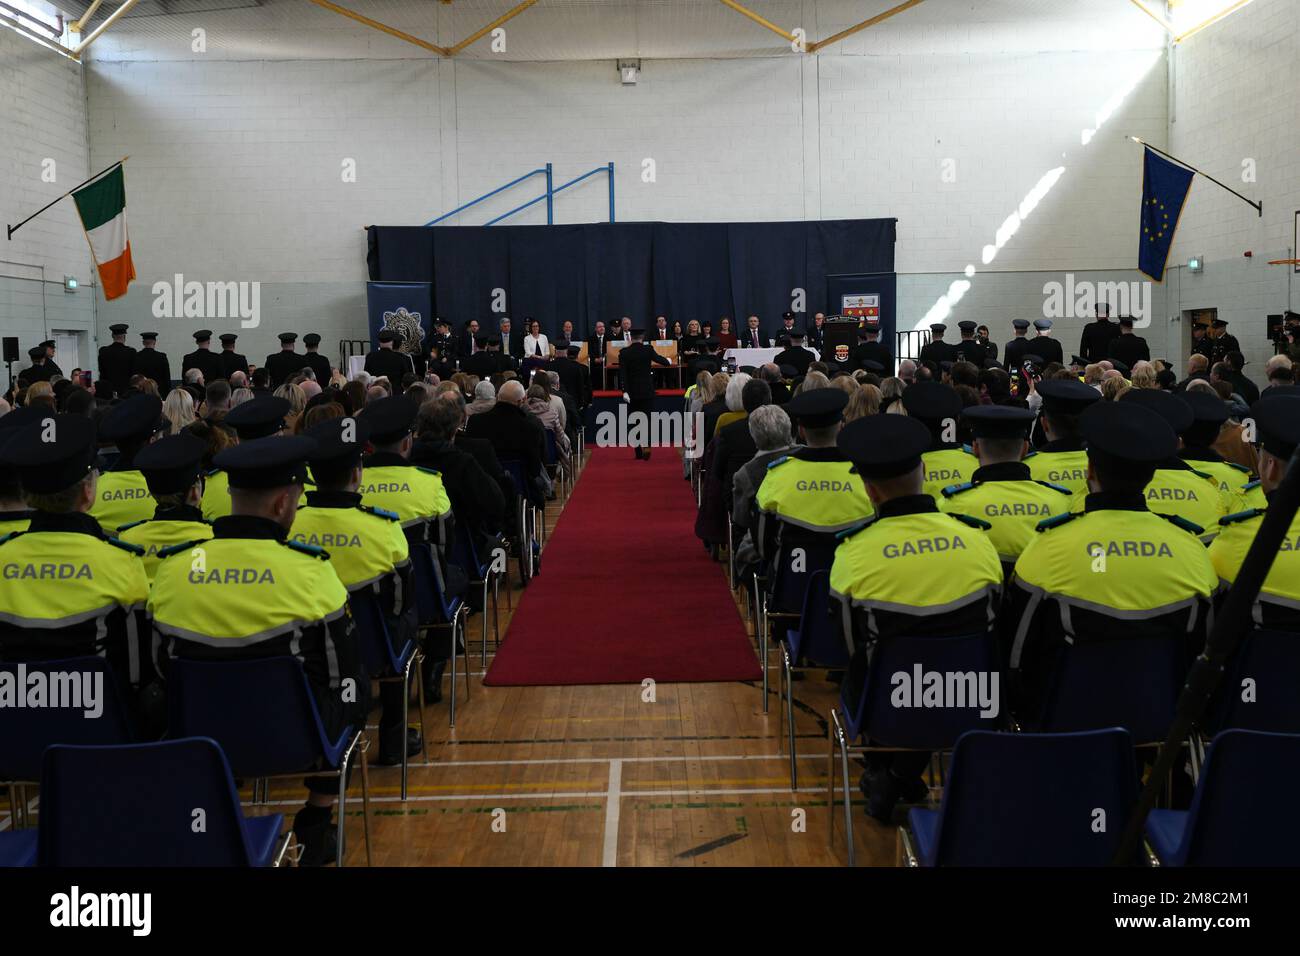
(607, 29)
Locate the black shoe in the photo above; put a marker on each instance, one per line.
(887, 794)
(391, 757)
(638, 453)
(433, 682)
(317, 837)
(646, 456)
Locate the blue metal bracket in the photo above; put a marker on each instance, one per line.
(549, 195)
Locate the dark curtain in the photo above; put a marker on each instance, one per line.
(607, 270)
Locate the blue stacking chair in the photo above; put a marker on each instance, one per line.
(817, 641)
(276, 729)
(439, 611)
(784, 595)
(484, 574)
(386, 665)
(525, 508)
(1141, 678)
(1271, 659)
(873, 717)
(25, 732)
(17, 848)
(1028, 800)
(134, 805)
(1231, 821)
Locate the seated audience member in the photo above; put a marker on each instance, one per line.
(178, 409)
(1278, 370)
(734, 402)
(873, 600)
(368, 551)
(216, 401)
(485, 396)
(863, 401)
(515, 435)
(46, 616)
(538, 403)
(294, 605)
(1113, 386)
(771, 374)
(717, 406)
(239, 396)
(477, 499)
(1058, 601)
(727, 452)
(171, 467)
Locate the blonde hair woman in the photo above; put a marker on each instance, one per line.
(297, 399)
(1144, 376)
(1113, 386)
(864, 401)
(178, 409)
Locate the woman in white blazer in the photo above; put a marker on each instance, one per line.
(535, 343)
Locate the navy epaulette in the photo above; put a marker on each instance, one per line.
(777, 461)
(1250, 485)
(969, 520)
(124, 545)
(168, 551)
(1030, 455)
(1055, 521)
(305, 548)
(10, 536)
(428, 471)
(1241, 516)
(951, 490)
(1200, 474)
(123, 527)
(968, 449)
(379, 512)
(1061, 488)
(1183, 523)
(1233, 464)
(214, 471)
(850, 532)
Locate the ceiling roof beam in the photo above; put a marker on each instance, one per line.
(108, 22)
(381, 27)
(744, 11)
(509, 14)
(879, 18)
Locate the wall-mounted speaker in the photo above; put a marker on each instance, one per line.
(11, 348)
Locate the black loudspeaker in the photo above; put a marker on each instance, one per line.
(11, 348)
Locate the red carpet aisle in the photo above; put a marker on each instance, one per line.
(626, 590)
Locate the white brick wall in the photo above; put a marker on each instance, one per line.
(42, 115)
(1235, 99)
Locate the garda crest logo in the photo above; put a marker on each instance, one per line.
(408, 325)
(841, 353)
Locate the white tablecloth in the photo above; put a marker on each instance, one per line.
(757, 357)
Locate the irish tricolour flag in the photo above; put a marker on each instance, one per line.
(102, 206)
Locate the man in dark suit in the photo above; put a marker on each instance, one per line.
(153, 364)
(1044, 345)
(231, 361)
(115, 362)
(872, 350)
(752, 337)
(515, 435)
(1018, 347)
(816, 335)
(1094, 343)
(968, 349)
(794, 354)
(574, 377)
(1127, 347)
(203, 358)
(661, 332)
(512, 343)
(488, 360)
(315, 361)
(387, 361)
(635, 362)
(469, 340)
(288, 362)
(596, 353)
(937, 350)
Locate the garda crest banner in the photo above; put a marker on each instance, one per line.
(405, 307)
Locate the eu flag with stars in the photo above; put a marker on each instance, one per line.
(1164, 190)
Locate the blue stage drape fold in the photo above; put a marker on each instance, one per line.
(606, 270)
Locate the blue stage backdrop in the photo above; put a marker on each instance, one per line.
(641, 269)
(404, 306)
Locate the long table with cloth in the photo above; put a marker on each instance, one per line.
(757, 357)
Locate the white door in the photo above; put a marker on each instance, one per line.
(68, 350)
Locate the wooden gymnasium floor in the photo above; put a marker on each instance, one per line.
(591, 776)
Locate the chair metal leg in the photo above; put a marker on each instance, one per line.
(464, 632)
(452, 709)
(830, 780)
(484, 612)
(365, 803)
(788, 671)
(763, 652)
(417, 665)
(848, 801)
(496, 609)
(406, 710)
(343, 803)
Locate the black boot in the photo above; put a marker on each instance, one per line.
(390, 753)
(433, 681)
(316, 835)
